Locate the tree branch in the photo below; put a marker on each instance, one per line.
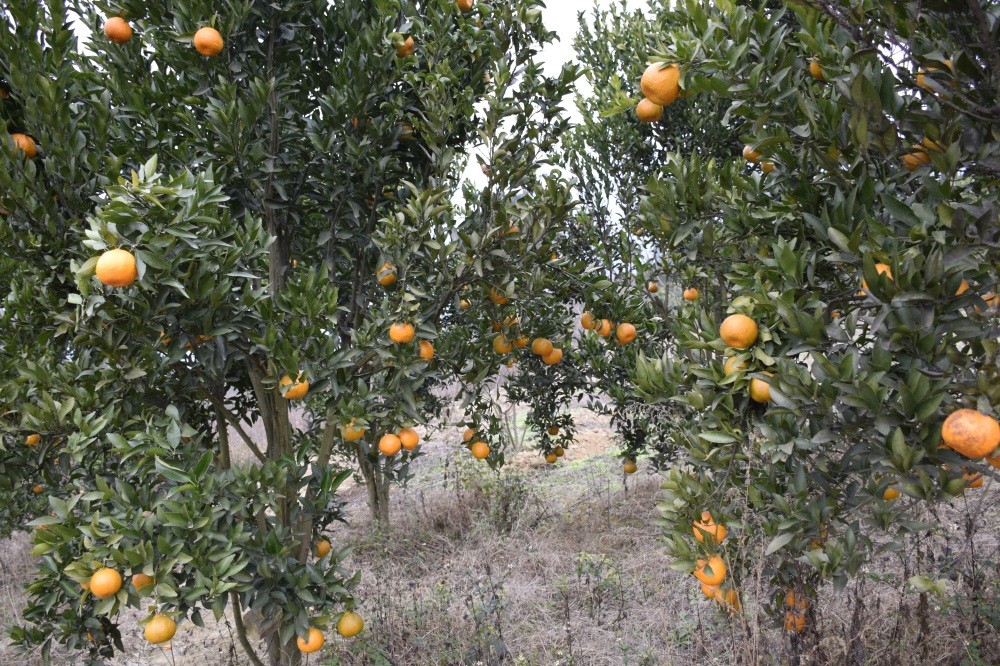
(221, 410)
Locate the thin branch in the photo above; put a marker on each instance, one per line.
(241, 630)
(231, 420)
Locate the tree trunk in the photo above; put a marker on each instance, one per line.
(377, 485)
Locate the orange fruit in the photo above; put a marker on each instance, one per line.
(405, 134)
(553, 431)
(970, 433)
(314, 641)
(541, 346)
(521, 342)
(795, 622)
(426, 350)
(767, 166)
(323, 548)
(553, 357)
(551, 458)
(141, 580)
(836, 314)
(922, 80)
(389, 445)
(38, 489)
(350, 624)
(707, 526)
(401, 333)
(387, 275)
(625, 333)
(796, 601)
(759, 390)
(463, 5)
(116, 268)
(33, 440)
(405, 48)
(351, 432)
(931, 144)
(994, 462)
(105, 583)
(464, 304)
(587, 320)
(972, 479)
(691, 294)
(297, 388)
(709, 591)
(480, 450)
(816, 70)
(729, 600)
(468, 435)
(652, 287)
(501, 345)
(916, 158)
(208, 42)
(497, 296)
(604, 329)
(751, 155)
(712, 571)
(890, 494)
(648, 112)
(117, 30)
(733, 364)
(409, 438)
(962, 288)
(660, 84)
(881, 269)
(738, 331)
(159, 629)
(559, 451)
(629, 467)
(25, 144)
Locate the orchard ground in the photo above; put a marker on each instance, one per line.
(558, 564)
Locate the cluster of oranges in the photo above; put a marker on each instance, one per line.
(660, 86)
(625, 332)
(480, 450)
(391, 443)
(711, 571)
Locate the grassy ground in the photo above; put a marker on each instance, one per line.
(548, 566)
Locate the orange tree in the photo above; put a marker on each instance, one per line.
(214, 214)
(848, 263)
(611, 271)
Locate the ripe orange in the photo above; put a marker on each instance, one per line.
(836, 314)
(521, 342)
(387, 275)
(738, 331)
(33, 440)
(38, 489)
(401, 333)
(604, 329)
(463, 5)
(709, 591)
(796, 601)
(729, 600)
(405, 48)
(751, 155)
(551, 458)
(691, 294)
(541, 346)
(480, 450)
(117, 30)
(816, 70)
(25, 144)
(297, 388)
(501, 345)
(707, 526)
(652, 287)
(970, 433)
(767, 166)
(629, 467)
(323, 548)
(352, 432)
(916, 158)
(962, 288)
(464, 304)
(468, 435)
(116, 268)
(409, 438)
(648, 112)
(141, 580)
(497, 296)
(759, 390)
(972, 479)
(890, 494)
(922, 80)
(717, 574)
(587, 320)
(313, 642)
(733, 364)
(159, 629)
(426, 350)
(208, 42)
(795, 622)
(994, 461)
(553, 357)
(660, 84)
(405, 134)
(881, 269)
(105, 583)
(389, 445)
(625, 333)
(553, 431)
(350, 624)
(559, 451)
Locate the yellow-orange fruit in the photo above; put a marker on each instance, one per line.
(409, 438)
(352, 432)
(480, 450)
(323, 548)
(970, 433)
(551, 458)
(767, 166)
(604, 328)
(660, 84)
(159, 629)
(587, 320)
(541, 346)
(105, 583)
(707, 526)
(738, 331)
(387, 275)
(389, 445)
(881, 269)
(141, 580)
(916, 158)
(350, 624)
(117, 30)
(760, 390)
(691, 294)
(464, 5)
(629, 467)
(625, 333)
(33, 439)
(405, 48)
(553, 357)
(648, 112)
(717, 573)
(501, 345)
(751, 155)
(795, 622)
(25, 144)
(297, 388)
(816, 70)
(426, 350)
(733, 364)
(890, 494)
(312, 642)
(208, 42)
(117, 268)
(401, 333)
(652, 287)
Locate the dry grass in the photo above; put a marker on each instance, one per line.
(560, 565)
